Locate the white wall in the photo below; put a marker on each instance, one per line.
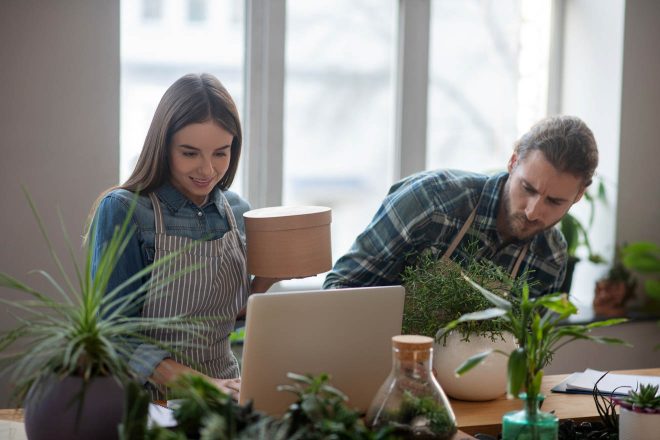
(59, 125)
(638, 217)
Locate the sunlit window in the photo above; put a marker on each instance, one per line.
(339, 100)
(488, 79)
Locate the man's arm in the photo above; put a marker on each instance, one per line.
(378, 254)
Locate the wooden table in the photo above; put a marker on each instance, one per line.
(486, 417)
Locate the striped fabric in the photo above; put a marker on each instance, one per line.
(217, 288)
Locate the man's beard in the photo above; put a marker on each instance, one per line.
(516, 225)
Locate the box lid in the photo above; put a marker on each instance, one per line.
(279, 218)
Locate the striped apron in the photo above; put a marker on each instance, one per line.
(218, 288)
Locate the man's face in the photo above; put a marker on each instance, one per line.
(535, 196)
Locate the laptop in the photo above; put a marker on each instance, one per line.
(344, 332)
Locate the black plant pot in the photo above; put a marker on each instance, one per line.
(58, 409)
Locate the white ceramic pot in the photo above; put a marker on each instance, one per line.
(486, 381)
(638, 426)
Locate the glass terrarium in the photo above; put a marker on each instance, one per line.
(410, 400)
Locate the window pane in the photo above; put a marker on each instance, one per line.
(154, 54)
(488, 79)
(339, 100)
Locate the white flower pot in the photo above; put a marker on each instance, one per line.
(486, 381)
(638, 426)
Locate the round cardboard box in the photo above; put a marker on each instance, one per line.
(288, 241)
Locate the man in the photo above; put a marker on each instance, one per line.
(510, 215)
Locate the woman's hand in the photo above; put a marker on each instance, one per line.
(231, 387)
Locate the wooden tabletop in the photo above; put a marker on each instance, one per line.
(486, 417)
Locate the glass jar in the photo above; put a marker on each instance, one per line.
(410, 400)
(530, 423)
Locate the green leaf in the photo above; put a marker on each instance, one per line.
(472, 362)
(652, 288)
(516, 371)
(644, 263)
(496, 300)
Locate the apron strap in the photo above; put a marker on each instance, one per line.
(158, 215)
(461, 233)
(457, 239)
(519, 260)
(228, 211)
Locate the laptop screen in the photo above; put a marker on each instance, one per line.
(345, 333)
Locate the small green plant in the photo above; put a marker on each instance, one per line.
(413, 407)
(538, 328)
(437, 294)
(575, 233)
(320, 412)
(644, 257)
(85, 333)
(644, 399)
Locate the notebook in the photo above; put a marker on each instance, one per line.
(345, 332)
(616, 384)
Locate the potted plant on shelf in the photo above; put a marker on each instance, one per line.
(539, 330)
(436, 294)
(639, 414)
(643, 257)
(577, 235)
(614, 290)
(67, 357)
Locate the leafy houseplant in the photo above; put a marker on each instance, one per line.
(320, 412)
(64, 351)
(537, 327)
(437, 294)
(577, 234)
(644, 257)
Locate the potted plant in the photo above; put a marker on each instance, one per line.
(643, 257)
(639, 414)
(437, 294)
(320, 412)
(67, 357)
(537, 325)
(577, 235)
(614, 290)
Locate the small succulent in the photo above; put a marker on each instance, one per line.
(645, 399)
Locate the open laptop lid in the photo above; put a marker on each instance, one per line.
(345, 333)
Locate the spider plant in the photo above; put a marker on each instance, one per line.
(79, 328)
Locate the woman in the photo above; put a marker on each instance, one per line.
(188, 161)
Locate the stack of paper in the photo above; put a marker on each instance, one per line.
(617, 384)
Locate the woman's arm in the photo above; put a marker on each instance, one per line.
(169, 370)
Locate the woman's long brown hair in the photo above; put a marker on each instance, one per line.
(191, 99)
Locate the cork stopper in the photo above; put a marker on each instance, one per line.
(412, 347)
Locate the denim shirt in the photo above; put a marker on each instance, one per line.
(181, 217)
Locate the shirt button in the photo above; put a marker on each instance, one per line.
(199, 214)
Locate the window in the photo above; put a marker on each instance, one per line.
(339, 98)
(197, 10)
(152, 10)
(487, 81)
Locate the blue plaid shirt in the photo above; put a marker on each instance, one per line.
(424, 212)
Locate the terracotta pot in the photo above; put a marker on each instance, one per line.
(610, 297)
(638, 426)
(487, 381)
(54, 409)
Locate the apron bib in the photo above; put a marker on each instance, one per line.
(461, 233)
(217, 288)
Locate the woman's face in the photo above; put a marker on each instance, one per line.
(199, 158)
